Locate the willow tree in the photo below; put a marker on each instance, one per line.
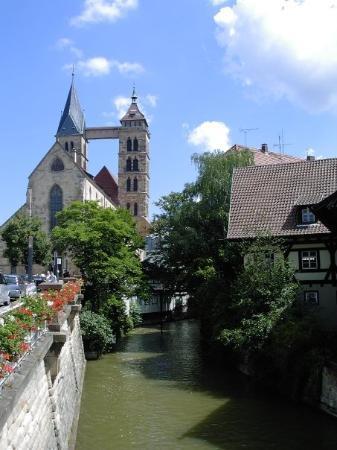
(193, 252)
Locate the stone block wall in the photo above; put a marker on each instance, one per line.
(329, 389)
(40, 402)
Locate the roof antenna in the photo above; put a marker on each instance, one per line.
(281, 143)
(245, 131)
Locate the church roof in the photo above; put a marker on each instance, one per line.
(133, 113)
(108, 183)
(72, 120)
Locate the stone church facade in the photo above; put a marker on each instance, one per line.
(62, 175)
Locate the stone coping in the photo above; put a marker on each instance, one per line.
(18, 381)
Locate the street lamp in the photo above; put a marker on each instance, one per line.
(30, 239)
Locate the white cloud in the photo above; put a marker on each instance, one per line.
(66, 43)
(99, 65)
(283, 48)
(128, 68)
(151, 100)
(210, 135)
(218, 2)
(103, 11)
(121, 104)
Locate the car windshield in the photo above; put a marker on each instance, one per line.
(10, 279)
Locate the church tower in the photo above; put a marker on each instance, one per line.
(71, 130)
(133, 165)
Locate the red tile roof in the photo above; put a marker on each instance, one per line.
(262, 158)
(107, 182)
(265, 199)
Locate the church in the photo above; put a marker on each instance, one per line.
(62, 176)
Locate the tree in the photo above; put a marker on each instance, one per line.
(193, 253)
(261, 297)
(16, 234)
(104, 245)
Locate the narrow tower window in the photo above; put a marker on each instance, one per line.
(135, 209)
(128, 164)
(128, 206)
(135, 165)
(128, 185)
(129, 145)
(135, 184)
(135, 145)
(55, 204)
(72, 145)
(66, 146)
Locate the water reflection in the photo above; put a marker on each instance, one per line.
(158, 392)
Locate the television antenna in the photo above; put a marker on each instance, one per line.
(281, 144)
(245, 131)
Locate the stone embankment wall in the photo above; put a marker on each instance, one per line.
(329, 389)
(40, 402)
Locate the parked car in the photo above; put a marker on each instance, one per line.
(15, 286)
(4, 291)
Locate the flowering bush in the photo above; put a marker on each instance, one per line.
(29, 317)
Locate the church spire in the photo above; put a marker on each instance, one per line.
(72, 120)
(133, 116)
(134, 95)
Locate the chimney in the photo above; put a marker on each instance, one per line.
(310, 158)
(264, 148)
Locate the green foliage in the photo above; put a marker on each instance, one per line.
(103, 243)
(96, 332)
(262, 296)
(135, 315)
(192, 227)
(114, 310)
(16, 234)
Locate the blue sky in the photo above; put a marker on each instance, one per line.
(203, 70)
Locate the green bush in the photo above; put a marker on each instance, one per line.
(135, 315)
(114, 311)
(96, 332)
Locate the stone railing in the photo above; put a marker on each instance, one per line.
(40, 400)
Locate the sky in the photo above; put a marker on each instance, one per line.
(204, 71)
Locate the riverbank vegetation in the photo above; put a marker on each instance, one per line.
(244, 293)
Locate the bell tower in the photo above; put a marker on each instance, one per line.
(133, 165)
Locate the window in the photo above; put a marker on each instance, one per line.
(128, 164)
(311, 297)
(309, 259)
(66, 146)
(72, 145)
(135, 145)
(129, 145)
(128, 185)
(56, 204)
(135, 184)
(135, 165)
(57, 165)
(307, 216)
(135, 209)
(128, 206)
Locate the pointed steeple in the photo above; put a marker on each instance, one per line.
(72, 120)
(133, 113)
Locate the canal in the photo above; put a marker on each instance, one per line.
(158, 392)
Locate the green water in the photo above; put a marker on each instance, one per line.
(159, 392)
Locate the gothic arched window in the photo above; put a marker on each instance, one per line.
(135, 209)
(129, 145)
(66, 146)
(57, 165)
(128, 206)
(128, 164)
(135, 165)
(55, 203)
(128, 185)
(135, 145)
(135, 184)
(72, 145)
